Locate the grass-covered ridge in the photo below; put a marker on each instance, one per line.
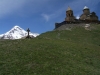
(75, 52)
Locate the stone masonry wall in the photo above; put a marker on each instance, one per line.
(68, 26)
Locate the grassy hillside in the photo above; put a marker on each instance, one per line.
(75, 52)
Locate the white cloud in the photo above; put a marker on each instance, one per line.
(21, 6)
(77, 17)
(9, 6)
(36, 6)
(47, 17)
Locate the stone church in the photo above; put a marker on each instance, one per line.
(85, 16)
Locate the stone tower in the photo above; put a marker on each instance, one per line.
(87, 15)
(69, 15)
(86, 10)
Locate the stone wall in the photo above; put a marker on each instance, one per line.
(69, 26)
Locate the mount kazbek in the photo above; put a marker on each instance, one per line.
(17, 33)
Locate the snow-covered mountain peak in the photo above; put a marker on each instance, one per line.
(16, 33)
(16, 28)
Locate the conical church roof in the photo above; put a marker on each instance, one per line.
(69, 9)
(85, 7)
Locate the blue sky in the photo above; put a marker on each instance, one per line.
(40, 15)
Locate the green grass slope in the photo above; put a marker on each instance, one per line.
(75, 52)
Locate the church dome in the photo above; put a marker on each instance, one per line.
(85, 7)
(69, 9)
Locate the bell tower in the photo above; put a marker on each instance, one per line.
(69, 15)
(86, 10)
